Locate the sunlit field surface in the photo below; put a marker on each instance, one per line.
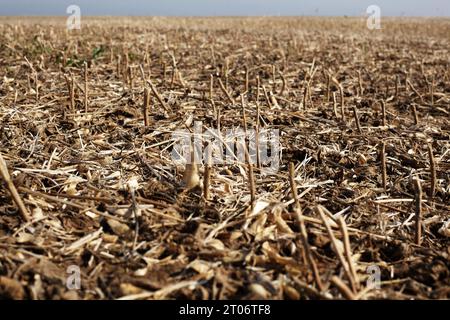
(96, 207)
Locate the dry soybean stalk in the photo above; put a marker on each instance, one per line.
(68, 84)
(251, 178)
(244, 117)
(130, 78)
(303, 232)
(36, 83)
(213, 57)
(4, 173)
(418, 187)
(158, 96)
(274, 78)
(273, 100)
(258, 92)
(386, 94)
(172, 77)
(180, 78)
(397, 82)
(337, 248)
(355, 114)
(383, 165)
(164, 72)
(345, 291)
(85, 87)
(305, 94)
(190, 177)
(293, 184)
(360, 83)
(258, 112)
(415, 91)
(226, 73)
(283, 83)
(383, 113)
(348, 250)
(148, 63)
(29, 83)
(72, 92)
(406, 82)
(266, 95)
(146, 105)
(335, 105)
(213, 104)
(246, 145)
(207, 173)
(432, 171)
(432, 91)
(141, 69)
(111, 53)
(328, 88)
(127, 60)
(211, 86)
(341, 92)
(415, 115)
(71, 88)
(310, 96)
(225, 91)
(119, 64)
(246, 79)
(218, 121)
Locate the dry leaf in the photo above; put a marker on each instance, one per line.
(445, 229)
(128, 289)
(117, 227)
(259, 291)
(216, 244)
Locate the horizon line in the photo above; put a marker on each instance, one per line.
(220, 16)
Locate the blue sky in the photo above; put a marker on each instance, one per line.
(226, 7)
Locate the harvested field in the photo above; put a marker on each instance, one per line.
(357, 207)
